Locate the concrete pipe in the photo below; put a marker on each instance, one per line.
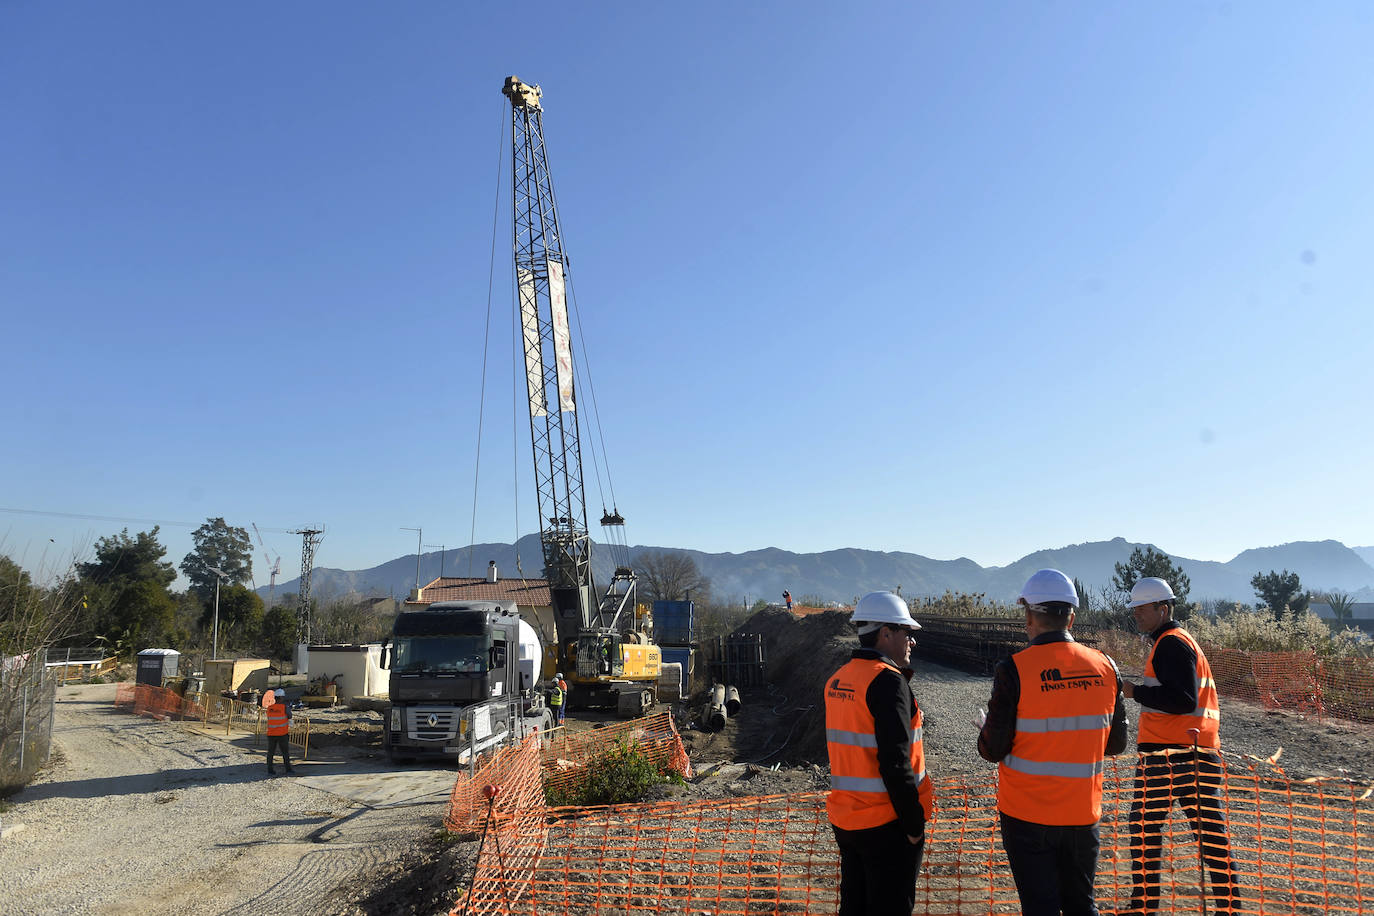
(717, 695)
(732, 703)
(670, 682)
(715, 716)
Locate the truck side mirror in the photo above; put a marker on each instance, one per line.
(498, 657)
(386, 660)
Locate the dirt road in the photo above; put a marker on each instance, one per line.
(137, 816)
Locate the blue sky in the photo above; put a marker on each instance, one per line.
(955, 279)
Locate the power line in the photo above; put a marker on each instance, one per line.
(121, 519)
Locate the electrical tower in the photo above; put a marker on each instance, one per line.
(309, 541)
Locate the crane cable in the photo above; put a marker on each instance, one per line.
(486, 336)
(620, 547)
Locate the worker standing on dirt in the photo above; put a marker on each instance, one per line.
(278, 733)
(1056, 711)
(880, 796)
(1180, 752)
(558, 698)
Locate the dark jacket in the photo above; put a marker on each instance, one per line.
(1176, 670)
(892, 705)
(994, 741)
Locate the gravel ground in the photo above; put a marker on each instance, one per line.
(136, 816)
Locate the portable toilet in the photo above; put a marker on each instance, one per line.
(156, 664)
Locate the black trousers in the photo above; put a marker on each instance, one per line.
(1161, 780)
(1054, 867)
(878, 869)
(279, 742)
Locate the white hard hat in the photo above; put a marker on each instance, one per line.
(558, 676)
(878, 608)
(1048, 585)
(1149, 590)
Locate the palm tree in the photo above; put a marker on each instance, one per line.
(1342, 605)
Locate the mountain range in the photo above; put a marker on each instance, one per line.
(841, 575)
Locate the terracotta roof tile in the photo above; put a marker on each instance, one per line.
(524, 592)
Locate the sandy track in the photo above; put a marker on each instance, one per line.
(139, 816)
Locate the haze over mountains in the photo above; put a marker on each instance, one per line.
(840, 575)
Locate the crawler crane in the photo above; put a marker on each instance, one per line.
(608, 659)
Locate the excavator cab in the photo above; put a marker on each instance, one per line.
(598, 655)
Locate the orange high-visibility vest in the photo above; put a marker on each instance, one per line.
(858, 797)
(1166, 728)
(1053, 774)
(277, 723)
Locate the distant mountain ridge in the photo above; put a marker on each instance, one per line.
(841, 575)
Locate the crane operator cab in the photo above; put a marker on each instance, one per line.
(596, 654)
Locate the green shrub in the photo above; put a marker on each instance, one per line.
(621, 773)
(1259, 631)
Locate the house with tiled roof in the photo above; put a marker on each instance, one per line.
(531, 597)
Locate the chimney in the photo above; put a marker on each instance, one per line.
(491, 570)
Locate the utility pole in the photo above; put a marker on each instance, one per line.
(419, 538)
(309, 541)
(220, 575)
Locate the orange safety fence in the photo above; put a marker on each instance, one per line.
(158, 702)
(559, 759)
(1303, 682)
(1299, 847)
(204, 710)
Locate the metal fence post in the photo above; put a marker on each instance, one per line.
(23, 726)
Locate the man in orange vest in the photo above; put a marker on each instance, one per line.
(278, 732)
(1180, 752)
(880, 796)
(1056, 712)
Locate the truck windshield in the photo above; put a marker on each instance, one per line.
(446, 654)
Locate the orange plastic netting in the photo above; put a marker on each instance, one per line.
(159, 702)
(524, 772)
(1299, 681)
(1298, 847)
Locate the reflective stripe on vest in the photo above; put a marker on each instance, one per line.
(277, 723)
(858, 796)
(1053, 774)
(1169, 728)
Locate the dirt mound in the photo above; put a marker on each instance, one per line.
(787, 720)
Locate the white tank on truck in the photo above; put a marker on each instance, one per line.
(463, 680)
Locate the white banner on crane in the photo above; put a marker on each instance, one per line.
(529, 322)
(562, 344)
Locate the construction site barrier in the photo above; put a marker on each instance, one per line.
(206, 711)
(1299, 847)
(555, 761)
(1302, 682)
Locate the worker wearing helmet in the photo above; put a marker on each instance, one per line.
(278, 733)
(558, 698)
(1055, 713)
(1180, 751)
(880, 796)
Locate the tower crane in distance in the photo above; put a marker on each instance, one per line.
(609, 661)
(275, 566)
